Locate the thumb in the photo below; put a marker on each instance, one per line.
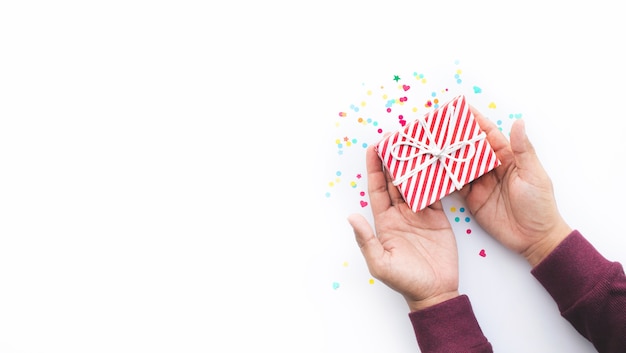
(368, 242)
(526, 159)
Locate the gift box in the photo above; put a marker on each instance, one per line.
(437, 154)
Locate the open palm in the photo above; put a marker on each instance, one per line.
(413, 253)
(515, 202)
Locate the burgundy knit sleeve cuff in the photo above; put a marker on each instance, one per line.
(572, 270)
(449, 327)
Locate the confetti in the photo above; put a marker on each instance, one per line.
(379, 107)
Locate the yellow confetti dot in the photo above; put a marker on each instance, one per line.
(331, 184)
(459, 71)
(492, 105)
(371, 281)
(353, 184)
(363, 103)
(369, 92)
(414, 109)
(452, 209)
(338, 141)
(345, 264)
(384, 96)
(423, 80)
(348, 143)
(337, 124)
(337, 180)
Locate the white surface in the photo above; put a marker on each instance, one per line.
(161, 184)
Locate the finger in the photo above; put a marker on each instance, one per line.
(376, 182)
(370, 246)
(437, 205)
(526, 159)
(394, 193)
(496, 138)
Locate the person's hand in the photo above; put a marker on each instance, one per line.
(515, 202)
(414, 254)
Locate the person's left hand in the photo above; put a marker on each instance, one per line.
(414, 254)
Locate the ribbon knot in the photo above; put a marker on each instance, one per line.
(429, 147)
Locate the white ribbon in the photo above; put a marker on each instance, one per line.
(430, 147)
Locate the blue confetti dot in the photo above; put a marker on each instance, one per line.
(462, 209)
(467, 219)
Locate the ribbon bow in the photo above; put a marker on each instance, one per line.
(431, 148)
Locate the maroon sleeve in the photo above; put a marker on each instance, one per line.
(459, 332)
(589, 290)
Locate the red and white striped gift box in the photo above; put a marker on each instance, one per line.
(437, 154)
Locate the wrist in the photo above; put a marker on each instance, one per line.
(544, 247)
(416, 305)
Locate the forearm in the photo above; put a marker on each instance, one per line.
(449, 327)
(589, 290)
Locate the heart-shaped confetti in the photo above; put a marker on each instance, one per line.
(482, 253)
(406, 87)
(363, 203)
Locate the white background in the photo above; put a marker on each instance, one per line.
(161, 174)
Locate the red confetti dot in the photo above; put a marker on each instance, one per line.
(468, 231)
(388, 110)
(380, 131)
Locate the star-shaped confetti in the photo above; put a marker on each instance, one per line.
(396, 78)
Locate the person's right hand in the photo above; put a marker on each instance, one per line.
(515, 202)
